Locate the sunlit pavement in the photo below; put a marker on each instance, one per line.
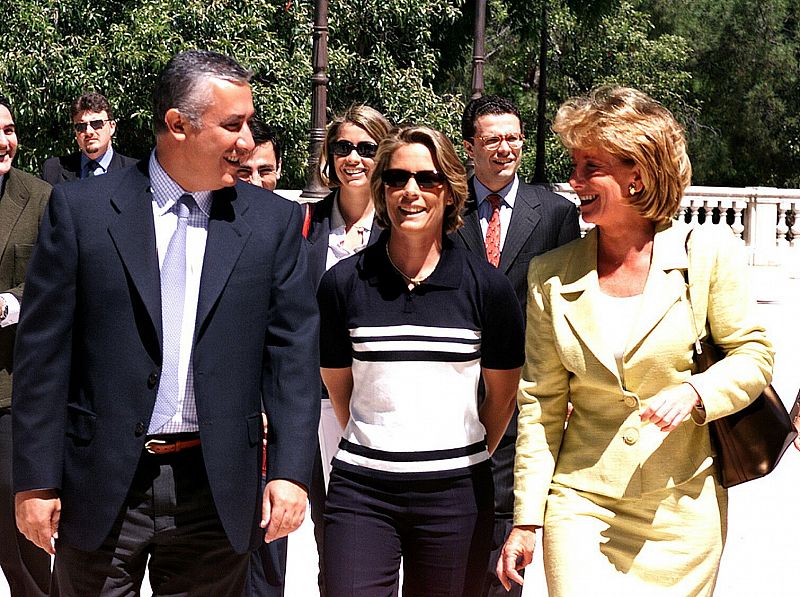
(761, 554)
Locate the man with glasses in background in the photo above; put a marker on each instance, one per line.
(94, 126)
(508, 222)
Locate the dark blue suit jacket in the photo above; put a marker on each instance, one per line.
(89, 351)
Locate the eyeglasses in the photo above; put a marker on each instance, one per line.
(397, 179)
(82, 127)
(514, 140)
(344, 148)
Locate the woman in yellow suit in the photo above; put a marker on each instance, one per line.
(627, 492)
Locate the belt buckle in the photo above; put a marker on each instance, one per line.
(152, 446)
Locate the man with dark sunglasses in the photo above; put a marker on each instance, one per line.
(508, 223)
(94, 126)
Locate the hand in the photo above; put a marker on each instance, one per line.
(669, 408)
(38, 512)
(796, 423)
(283, 508)
(516, 554)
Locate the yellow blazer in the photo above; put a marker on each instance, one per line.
(606, 449)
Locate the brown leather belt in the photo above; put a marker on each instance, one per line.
(158, 446)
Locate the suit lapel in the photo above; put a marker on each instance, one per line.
(524, 219)
(471, 232)
(227, 236)
(14, 200)
(665, 283)
(134, 236)
(582, 308)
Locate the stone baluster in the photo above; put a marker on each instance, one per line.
(781, 228)
(737, 226)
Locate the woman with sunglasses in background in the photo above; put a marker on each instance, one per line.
(408, 326)
(341, 225)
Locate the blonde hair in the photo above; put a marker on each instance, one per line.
(638, 130)
(364, 117)
(445, 160)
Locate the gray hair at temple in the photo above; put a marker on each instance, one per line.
(183, 84)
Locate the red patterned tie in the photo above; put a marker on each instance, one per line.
(493, 232)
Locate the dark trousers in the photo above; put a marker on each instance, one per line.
(25, 566)
(266, 576)
(169, 517)
(441, 528)
(491, 584)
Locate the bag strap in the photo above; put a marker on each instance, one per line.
(698, 347)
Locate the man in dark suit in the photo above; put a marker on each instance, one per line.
(163, 302)
(94, 126)
(22, 203)
(507, 222)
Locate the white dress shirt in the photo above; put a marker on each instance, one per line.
(166, 193)
(509, 195)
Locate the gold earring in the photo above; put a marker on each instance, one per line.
(632, 189)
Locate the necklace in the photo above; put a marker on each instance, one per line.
(413, 281)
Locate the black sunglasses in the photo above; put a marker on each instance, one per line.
(82, 127)
(344, 148)
(398, 179)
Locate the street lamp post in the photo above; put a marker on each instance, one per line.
(314, 189)
(478, 49)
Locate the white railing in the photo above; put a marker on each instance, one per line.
(763, 217)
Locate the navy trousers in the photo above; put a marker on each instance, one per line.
(441, 528)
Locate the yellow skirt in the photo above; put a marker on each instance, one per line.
(667, 543)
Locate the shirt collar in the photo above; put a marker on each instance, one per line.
(104, 161)
(166, 191)
(337, 219)
(376, 267)
(508, 192)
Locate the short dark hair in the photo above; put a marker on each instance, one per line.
(4, 101)
(182, 84)
(91, 102)
(487, 104)
(263, 133)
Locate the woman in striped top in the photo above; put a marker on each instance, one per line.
(409, 328)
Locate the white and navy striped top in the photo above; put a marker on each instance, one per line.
(416, 357)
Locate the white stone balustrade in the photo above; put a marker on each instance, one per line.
(763, 217)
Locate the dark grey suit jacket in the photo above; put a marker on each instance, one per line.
(64, 168)
(540, 221)
(22, 206)
(89, 352)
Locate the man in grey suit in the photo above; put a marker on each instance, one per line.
(22, 202)
(507, 222)
(94, 126)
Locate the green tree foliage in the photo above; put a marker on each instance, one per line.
(745, 64)
(380, 53)
(590, 44)
(385, 53)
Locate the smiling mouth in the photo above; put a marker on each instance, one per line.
(411, 211)
(587, 199)
(354, 171)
